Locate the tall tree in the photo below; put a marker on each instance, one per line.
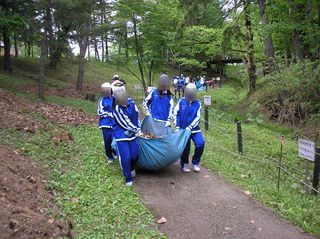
(268, 44)
(251, 67)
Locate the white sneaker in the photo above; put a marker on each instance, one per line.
(110, 161)
(186, 168)
(128, 184)
(133, 173)
(196, 168)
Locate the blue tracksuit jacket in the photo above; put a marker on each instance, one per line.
(126, 121)
(160, 107)
(188, 115)
(105, 112)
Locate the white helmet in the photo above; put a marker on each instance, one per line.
(190, 92)
(116, 76)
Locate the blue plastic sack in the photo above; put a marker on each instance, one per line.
(165, 149)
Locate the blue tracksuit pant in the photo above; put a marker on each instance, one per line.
(107, 138)
(128, 153)
(198, 151)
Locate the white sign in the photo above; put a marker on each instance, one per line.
(138, 87)
(306, 149)
(207, 100)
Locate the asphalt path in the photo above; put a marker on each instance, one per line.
(203, 205)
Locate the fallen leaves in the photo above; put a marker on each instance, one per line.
(51, 220)
(248, 193)
(74, 200)
(162, 220)
(18, 113)
(31, 179)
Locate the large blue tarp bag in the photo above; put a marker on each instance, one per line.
(163, 150)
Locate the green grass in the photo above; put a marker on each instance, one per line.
(105, 207)
(256, 170)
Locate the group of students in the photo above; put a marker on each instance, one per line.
(119, 121)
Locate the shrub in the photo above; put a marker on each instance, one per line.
(293, 92)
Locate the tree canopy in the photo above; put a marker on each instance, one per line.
(154, 34)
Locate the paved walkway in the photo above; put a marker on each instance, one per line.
(202, 205)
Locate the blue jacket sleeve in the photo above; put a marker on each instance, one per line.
(197, 119)
(123, 120)
(146, 102)
(101, 109)
(176, 115)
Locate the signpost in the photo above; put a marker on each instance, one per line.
(307, 151)
(138, 87)
(219, 82)
(207, 103)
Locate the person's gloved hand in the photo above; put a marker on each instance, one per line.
(138, 134)
(188, 128)
(129, 133)
(168, 124)
(177, 129)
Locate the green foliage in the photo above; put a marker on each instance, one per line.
(293, 92)
(253, 114)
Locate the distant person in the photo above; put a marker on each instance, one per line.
(125, 130)
(115, 78)
(187, 115)
(106, 119)
(159, 103)
(188, 79)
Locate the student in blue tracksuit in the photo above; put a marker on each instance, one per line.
(159, 103)
(106, 119)
(187, 115)
(125, 130)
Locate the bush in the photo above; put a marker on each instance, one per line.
(293, 92)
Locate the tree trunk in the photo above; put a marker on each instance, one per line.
(25, 49)
(43, 53)
(138, 54)
(102, 49)
(267, 39)
(126, 43)
(297, 44)
(7, 47)
(29, 49)
(150, 73)
(16, 49)
(88, 50)
(6, 39)
(96, 52)
(251, 67)
(102, 41)
(83, 43)
(106, 41)
(106, 48)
